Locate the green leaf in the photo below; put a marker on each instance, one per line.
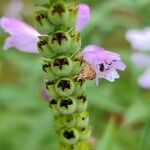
(137, 112)
(105, 142)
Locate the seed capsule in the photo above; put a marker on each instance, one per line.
(67, 105)
(85, 132)
(58, 13)
(42, 22)
(73, 12)
(79, 86)
(47, 71)
(75, 41)
(62, 66)
(59, 42)
(44, 47)
(53, 106)
(82, 119)
(64, 87)
(81, 103)
(70, 136)
(51, 89)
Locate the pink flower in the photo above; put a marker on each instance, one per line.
(105, 63)
(25, 38)
(83, 16)
(22, 36)
(139, 39)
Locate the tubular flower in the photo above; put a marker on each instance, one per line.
(25, 38)
(22, 36)
(105, 63)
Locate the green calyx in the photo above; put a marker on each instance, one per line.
(59, 46)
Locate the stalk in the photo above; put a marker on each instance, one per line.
(59, 47)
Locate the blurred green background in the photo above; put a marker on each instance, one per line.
(120, 111)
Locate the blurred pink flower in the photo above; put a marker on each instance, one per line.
(25, 38)
(105, 63)
(139, 39)
(83, 17)
(141, 60)
(144, 80)
(22, 36)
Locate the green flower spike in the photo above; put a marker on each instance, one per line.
(59, 42)
(64, 87)
(70, 136)
(62, 66)
(67, 105)
(58, 13)
(59, 46)
(42, 22)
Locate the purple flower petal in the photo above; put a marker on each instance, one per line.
(23, 36)
(139, 39)
(83, 16)
(144, 80)
(104, 62)
(141, 60)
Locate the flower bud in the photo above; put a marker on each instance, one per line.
(47, 71)
(59, 42)
(62, 66)
(81, 103)
(73, 12)
(42, 22)
(82, 119)
(53, 106)
(66, 105)
(75, 41)
(44, 47)
(70, 136)
(85, 132)
(79, 86)
(51, 89)
(64, 87)
(58, 13)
